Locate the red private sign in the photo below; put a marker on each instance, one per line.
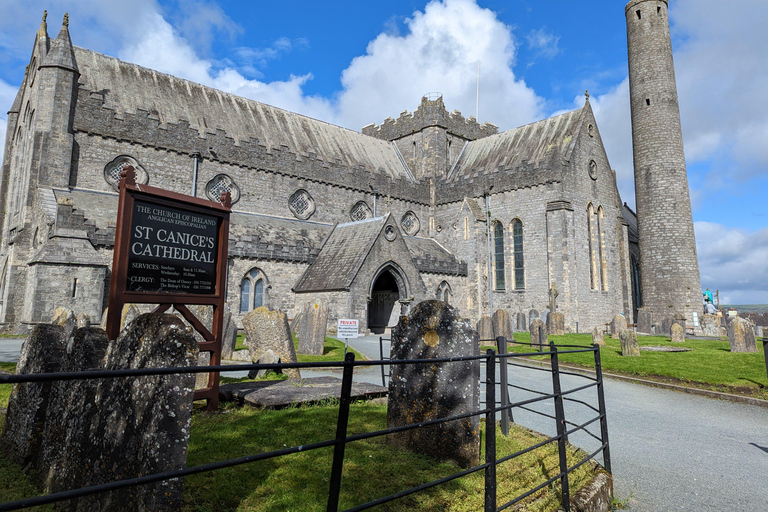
(171, 250)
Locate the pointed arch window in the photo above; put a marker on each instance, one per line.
(498, 251)
(591, 228)
(517, 254)
(601, 250)
(444, 292)
(252, 290)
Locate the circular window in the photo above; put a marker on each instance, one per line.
(593, 169)
(591, 130)
(220, 184)
(360, 211)
(301, 204)
(410, 223)
(113, 169)
(390, 233)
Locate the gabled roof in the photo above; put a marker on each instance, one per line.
(341, 256)
(127, 88)
(429, 256)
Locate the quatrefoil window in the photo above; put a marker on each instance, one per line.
(113, 169)
(301, 204)
(220, 184)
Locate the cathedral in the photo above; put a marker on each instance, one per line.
(428, 205)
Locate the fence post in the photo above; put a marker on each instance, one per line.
(765, 352)
(506, 414)
(601, 407)
(381, 356)
(490, 431)
(560, 419)
(341, 433)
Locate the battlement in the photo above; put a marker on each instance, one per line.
(431, 112)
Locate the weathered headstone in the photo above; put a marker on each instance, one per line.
(423, 392)
(629, 345)
(556, 324)
(665, 329)
(597, 337)
(83, 320)
(710, 326)
(502, 324)
(67, 319)
(644, 321)
(485, 330)
(539, 335)
(266, 329)
(296, 322)
(268, 357)
(740, 335)
(42, 352)
(521, 324)
(143, 423)
(618, 324)
(201, 379)
(533, 315)
(130, 312)
(677, 335)
(314, 323)
(228, 334)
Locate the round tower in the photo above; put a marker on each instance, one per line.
(669, 268)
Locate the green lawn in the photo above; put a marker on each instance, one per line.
(333, 350)
(710, 364)
(5, 389)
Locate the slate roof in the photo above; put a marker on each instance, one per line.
(341, 256)
(69, 247)
(429, 256)
(127, 88)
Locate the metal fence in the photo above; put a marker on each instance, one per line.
(494, 363)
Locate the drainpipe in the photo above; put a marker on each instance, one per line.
(196, 156)
(488, 239)
(375, 195)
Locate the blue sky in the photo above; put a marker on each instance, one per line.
(353, 63)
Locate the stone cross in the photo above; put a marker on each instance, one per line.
(553, 293)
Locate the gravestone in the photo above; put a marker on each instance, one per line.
(556, 324)
(130, 312)
(644, 321)
(759, 330)
(83, 320)
(143, 423)
(267, 357)
(741, 335)
(618, 324)
(423, 392)
(67, 319)
(314, 323)
(521, 324)
(677, 335)
(266, 329)
(629, 345)
(42, 352)
(485, 330)
(502, 325)
(533, 315)
(667, 322)
(296, 322)
(539, 335)
(228, 334)
(597, 337)
(710, 326)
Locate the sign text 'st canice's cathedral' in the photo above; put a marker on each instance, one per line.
(416, 208)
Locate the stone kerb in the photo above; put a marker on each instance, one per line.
(629, 345)
(618, 325)
(741, 335)
(539, 336)
(425, 392)
(314, 323)
(265, 330)
(502, 325)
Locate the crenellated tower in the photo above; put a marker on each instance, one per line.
(669, 268)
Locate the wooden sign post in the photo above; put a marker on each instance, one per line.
(171, 250)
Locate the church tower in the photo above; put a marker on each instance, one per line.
(669, 268)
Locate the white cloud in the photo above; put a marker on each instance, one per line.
(543, 43)
(734, 261)
(7, 95)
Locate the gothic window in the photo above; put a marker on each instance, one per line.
(360, 211)
(220, 184)
(601, 250)
(498, 245)
(444, 292)
(517, 254)
(592, 246)
(252, 290)
(410, 223)
(113, 169)
(637, 295)
(301, 204)
(466, 228)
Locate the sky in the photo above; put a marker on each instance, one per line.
(354, 63)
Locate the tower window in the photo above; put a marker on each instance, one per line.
(639, 15)
(658, 10)
(498, 239)
(74, 287)
(648, 101)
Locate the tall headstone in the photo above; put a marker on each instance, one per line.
(228, 334)
(533, 315)
(42, 352)
(502, 324)
(266, 329)
(597, 337)
(314, 324)
(423, 392)
(539, 335)
(644, 321)
(618, 324)
(521, 325)
(678, 334)
(741, 335)
(485, 330)
(556, 324)
(629, 345)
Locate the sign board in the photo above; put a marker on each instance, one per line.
(695, 319)
(347, 328)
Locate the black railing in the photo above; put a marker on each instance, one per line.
(493, 407)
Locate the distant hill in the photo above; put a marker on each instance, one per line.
(747, 308)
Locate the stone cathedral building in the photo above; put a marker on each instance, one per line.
(428, 205)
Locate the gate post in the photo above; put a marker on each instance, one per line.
(601, 407)
(490, 431)
(506, 414)
(341, 433)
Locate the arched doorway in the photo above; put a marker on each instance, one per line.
(383, 309)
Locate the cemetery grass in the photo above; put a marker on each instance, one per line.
(5, 389)
(709, 365)
(372, 469)
(332, 351)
